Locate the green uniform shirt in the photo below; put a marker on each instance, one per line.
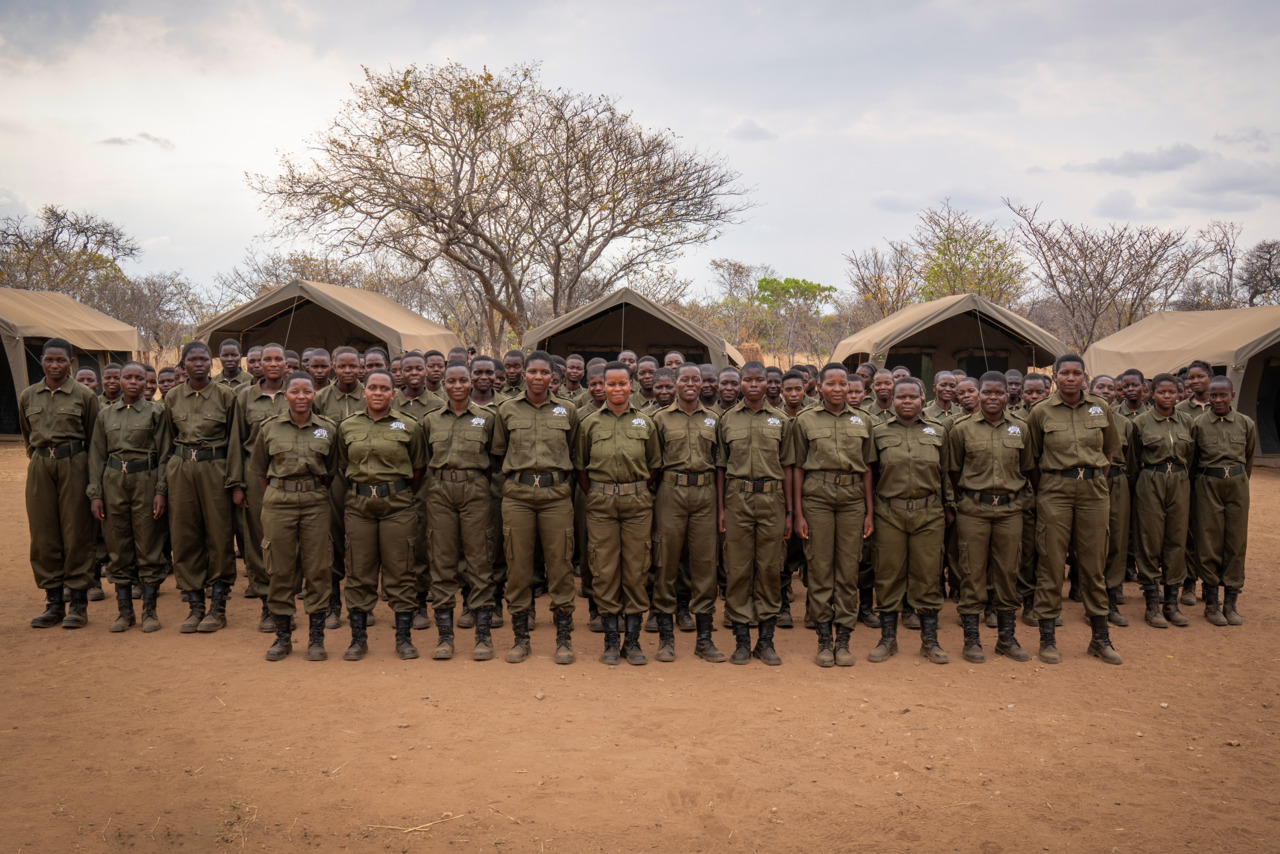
(242, 379)
(507, 391)
(618, 448)
(587, 406)
(103, 403)
(337, 406)
(577, 396)
(688, 440)
(878, 415)
(201, 419)
(990, 457)
(1065, 437)
(535, 438)
(391, 448)
(934, 412)
(1018, 409)
(459, 441)
(755, 445)
(1121, 407)
(129, 432)
(638, 400)
(1161, 440)
(1223, 442)
(419, 406)
(283, 449)
(834, 442)
(911, 458)
(1189, 406)
(1126, 458)
(49, 417)
(254, 406)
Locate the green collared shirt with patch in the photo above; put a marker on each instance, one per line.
(533, 438)
(911, 458)
(129, 432)
(688, 439)
(459, 441)
(1225, 441)
(836, 442)
(1164, 441)
(417, 407)
(755, 445)
(49, 417)
(283, 449)
(338, 406)
(990, 457)
(614, 448)
(1067, 437)
(388, 449)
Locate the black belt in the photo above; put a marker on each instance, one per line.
(632, 488)
(1081, 473)
(540, 480)
(763, 485)
(200, 455)
(1115, 471)
(1223, 471)
(1167, 468)
(991, 499)
(380, 490)
(130, 466)
(60, 452)
(688, 478)
(456, 475)
(837, 478)
(294, 484)
(912, 503)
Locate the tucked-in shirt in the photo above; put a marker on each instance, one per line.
(254, 406)
(201, 419)
(836, 442)
(49, 417)
(381, 451)
(1080, 436)
(1161, 440)
(618, 448)
(283, 449)
(1222, 442)
(129, 432)
(911, 458)
(688, 440)
(338, 406)
(990, 457)
(754, 445)
(535, 438)
(459, 441)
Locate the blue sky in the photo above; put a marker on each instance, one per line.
(846, 118)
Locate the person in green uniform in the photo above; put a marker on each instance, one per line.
(943, 405)
(319, 366)
(833, 457)
(165, 380)
(591, 401)
(728, 389)
(535, 436)
(229, 357)
(340, 400)
(88, 378)
(293, 458)
(1013, 381)
(990, 461)
(710, 393)
(755, 454)
(458, 437)
(879, 405)
(1074, 437)
(575, 369)
(201, 414)
(685, 514)
(483, 371)
(1162, 495)
(646, 370)
(1194, 400)
(1132, 395)
(1035, 388)
(617, 452)
(512, 374)
(382, 453)
(57, 417)
(1121, 475)
(791, 393)
(253, 363)
(127, 494)
(255, 403)
(1225, 444)
(664, 389)
(910, 463)
(773, 387)
(414, 399)
(111, 389)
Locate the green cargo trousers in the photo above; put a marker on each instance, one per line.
(253, 533)
(338, 523)
(200, 523)
(422, 548)
(62, 527)
(753, 552)
(381, 536)
(1118, 530)
(296, 547)
(1164, 505)
(1029, 558)
(909, 556)
(1071, 514)
(619, 540)
(990, 553)
(1221, 524)
(685, 518)
(533, 514)
(835, 515)
(458, 514)
(134, 536)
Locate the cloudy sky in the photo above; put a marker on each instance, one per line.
(846, 117)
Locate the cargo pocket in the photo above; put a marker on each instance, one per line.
(507, 550)
(655, 552)
(266, 557)
(1042, 537)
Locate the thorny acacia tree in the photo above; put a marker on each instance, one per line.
(533, 193)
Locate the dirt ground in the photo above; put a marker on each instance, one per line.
(160, 741)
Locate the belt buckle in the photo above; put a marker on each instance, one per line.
(537, 481)
(1168, 468)
(1226, 472)
(1080, 473)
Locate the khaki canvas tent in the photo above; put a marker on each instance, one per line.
(622, 319)
(1244, 343)
(965, 331)
(313, 314)
(29, 318)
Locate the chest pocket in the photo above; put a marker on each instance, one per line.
(278, 446)
(141, 435)
(637, 434)
(1013, 442)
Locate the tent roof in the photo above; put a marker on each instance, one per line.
(381, 316)
(881, 336)
(1168, 340)
(713, 343)
(45, 314)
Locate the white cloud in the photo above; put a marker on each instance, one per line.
(748, 130)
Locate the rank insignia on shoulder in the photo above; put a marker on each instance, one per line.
(398, 425)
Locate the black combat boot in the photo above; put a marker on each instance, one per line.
(666, 638)
(94, 593)
(684, 620)
(703, 647)
(421, 618)
(651, 623)
(150, 622)
(444, 642)
(1048, 643)
(333, 618)
(195, 601)
(1100, 644)
(1028, 605)
(55, 609)
(742, 639)
(267, 622)
(1171, 613)
(825, 656)
(1212, 610)
(594, 623)
(217, 617)
(1151, 593)
(284, 637)
(78, 611)
(844, 658)
(612, 646)
(359, 621)
(315, 637)
(1113, 608)
(520, 648)
(1229, 608)
(972, 652)
(910, 619)
(564, 637)
(124, 601)
(631, 643)
(1007, 640)
(1188, 596)
(929, 639)
(866, 613)
(764, 643)
(484, 641)
(784, 619)
(404, 635)
(496, 620)
(888, 644)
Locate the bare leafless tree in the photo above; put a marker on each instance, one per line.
(881, 281)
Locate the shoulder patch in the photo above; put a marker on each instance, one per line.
(321, 433)
(1015, 430)
(710, 422)
(637, 422)
(1095, 410)
(477, 422)
(853, 419)
(559, 410)
(930, 431)
(774, 422)
(397, 425)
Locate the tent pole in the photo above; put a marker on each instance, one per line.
(622, 336)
